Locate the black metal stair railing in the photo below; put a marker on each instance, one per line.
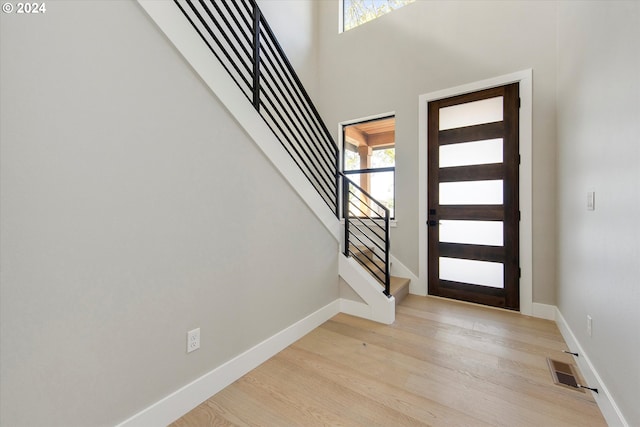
(240, 37)
(366, 231)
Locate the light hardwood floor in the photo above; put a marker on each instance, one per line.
(442, 363)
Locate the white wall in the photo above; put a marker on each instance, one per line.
(133, 209)
(295, 25)
(428, 46)
(599, 150)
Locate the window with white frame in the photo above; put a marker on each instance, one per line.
(369, 158)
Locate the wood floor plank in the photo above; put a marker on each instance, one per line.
(415, 406)
(445, 385)
(339, 398)
(442, 363)
(499, 370)
(444, 341)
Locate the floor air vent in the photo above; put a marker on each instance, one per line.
(563, 374)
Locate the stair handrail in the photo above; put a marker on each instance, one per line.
(371, 229)
(239, 36)
(242, 40)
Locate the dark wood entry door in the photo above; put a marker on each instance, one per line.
(473, 197)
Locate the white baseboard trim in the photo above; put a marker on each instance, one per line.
(607, 405)
(544, 311)
(188, 397)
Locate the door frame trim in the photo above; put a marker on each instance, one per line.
(525, 78)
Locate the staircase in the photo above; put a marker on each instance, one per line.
(232, 47)
(398, 286)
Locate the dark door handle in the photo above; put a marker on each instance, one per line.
(432, 223)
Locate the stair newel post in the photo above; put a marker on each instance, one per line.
(387, 243)
(345, 213)
(256, 55)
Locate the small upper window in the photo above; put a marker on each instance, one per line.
(357, 12)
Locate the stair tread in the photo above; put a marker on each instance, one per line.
(361, 252)
(398, 286)
(398, 283)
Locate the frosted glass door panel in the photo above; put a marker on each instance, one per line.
(471, 153)
(488, 233)
(474, 272)
(471, 192)
(471, 113)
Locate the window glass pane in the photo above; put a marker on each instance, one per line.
(369, 145)
(472, 232)
(471, 113)
(383, 158)
(470, 271)
(471, 153)
(355, 177)
(351, 160)
(471, 192)
(357, 12)
(383, 189)
(381, 186)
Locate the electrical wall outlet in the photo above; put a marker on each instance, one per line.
(589, 325)
(193, 340)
